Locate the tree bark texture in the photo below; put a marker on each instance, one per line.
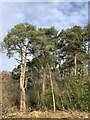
(22, 84)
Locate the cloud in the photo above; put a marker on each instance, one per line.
(42, 14)
(44, 1)
(11, 15)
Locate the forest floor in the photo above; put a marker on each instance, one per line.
(49, 114)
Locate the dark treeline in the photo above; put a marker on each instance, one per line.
(53, 70)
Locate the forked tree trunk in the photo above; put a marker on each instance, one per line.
(22, 85)
(24, 101)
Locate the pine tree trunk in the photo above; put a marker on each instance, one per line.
(43, 87)
(89, 73)
(24, 100)
(89, 59)
(22, 85)
(21, 107)
(75, 63)
(52, 89)
(38, 97)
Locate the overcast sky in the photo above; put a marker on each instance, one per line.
(62, 15)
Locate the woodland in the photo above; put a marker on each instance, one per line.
(53, 72)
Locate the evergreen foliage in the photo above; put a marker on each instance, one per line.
(57, 67)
